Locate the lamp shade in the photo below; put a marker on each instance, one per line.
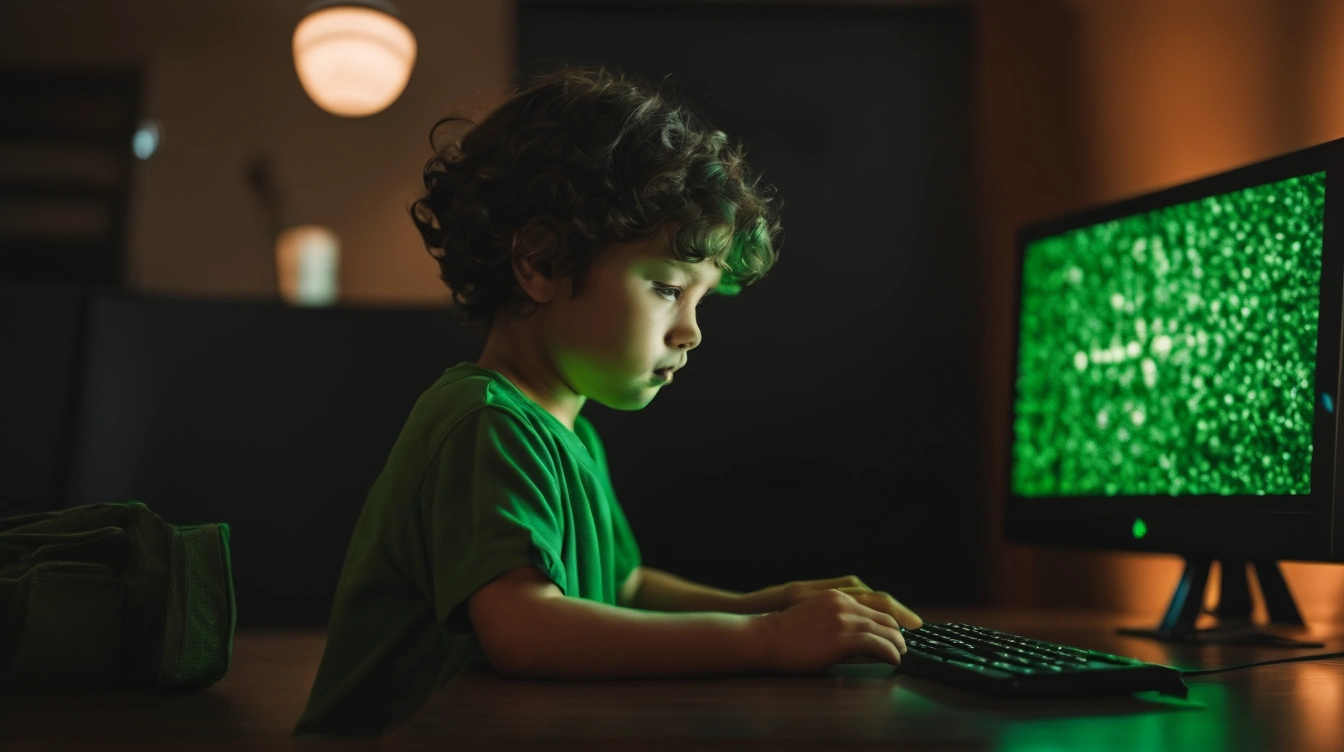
(353, 58)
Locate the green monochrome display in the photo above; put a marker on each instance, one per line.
(1173, 352)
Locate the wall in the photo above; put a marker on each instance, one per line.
(1088, 101)
(220, 78)
(1080, 101)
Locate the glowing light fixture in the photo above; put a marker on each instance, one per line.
(353, 57)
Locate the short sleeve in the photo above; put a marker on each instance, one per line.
(494, 506)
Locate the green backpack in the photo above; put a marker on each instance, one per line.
(108, 596)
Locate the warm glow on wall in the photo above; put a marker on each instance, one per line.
(353, 58)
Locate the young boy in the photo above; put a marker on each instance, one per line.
(578, 226)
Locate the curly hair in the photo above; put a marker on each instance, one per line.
(602, 158)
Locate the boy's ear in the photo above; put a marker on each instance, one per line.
(536, 247)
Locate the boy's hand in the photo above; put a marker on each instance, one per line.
(781, 597)
(825, 629)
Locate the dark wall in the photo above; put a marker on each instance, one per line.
(275, 420)
(830, 421)
(40, 334)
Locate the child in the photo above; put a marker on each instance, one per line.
(578, 226)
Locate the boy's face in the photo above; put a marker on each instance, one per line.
(636, 315)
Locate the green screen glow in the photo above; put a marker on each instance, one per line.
(1173, 352)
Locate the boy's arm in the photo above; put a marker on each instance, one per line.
(529, 628)
(656, 590)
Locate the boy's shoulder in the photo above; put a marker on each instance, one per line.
(467, 390)
(472, 386)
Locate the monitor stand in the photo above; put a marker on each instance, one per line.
(1234, 625)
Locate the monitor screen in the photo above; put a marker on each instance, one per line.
(1176, 367)
(1173, 351)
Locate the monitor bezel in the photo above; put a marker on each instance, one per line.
(1296, 527)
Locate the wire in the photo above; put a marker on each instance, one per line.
(1315, 657)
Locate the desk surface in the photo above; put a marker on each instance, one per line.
(1296, 706)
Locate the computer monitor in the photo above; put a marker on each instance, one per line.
(1176, 375)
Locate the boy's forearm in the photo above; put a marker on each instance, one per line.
(663, 591)
(577, 638)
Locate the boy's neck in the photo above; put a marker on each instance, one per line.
(505, 354)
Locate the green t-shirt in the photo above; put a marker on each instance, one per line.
(480, 481)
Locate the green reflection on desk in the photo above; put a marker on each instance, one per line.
(1203, 721)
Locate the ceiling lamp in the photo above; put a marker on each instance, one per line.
(354, 57)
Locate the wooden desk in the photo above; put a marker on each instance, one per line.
(1296, 706)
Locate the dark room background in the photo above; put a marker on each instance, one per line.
(827, 423)
(847, 415)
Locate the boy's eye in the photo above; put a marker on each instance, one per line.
(665, 290)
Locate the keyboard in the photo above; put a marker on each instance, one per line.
(992, 662)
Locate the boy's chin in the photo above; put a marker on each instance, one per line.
(626, 403)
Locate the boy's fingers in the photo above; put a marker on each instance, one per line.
(881, 623)
(888, 632)
(840, 583)
(883, 601)
(869, 645)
